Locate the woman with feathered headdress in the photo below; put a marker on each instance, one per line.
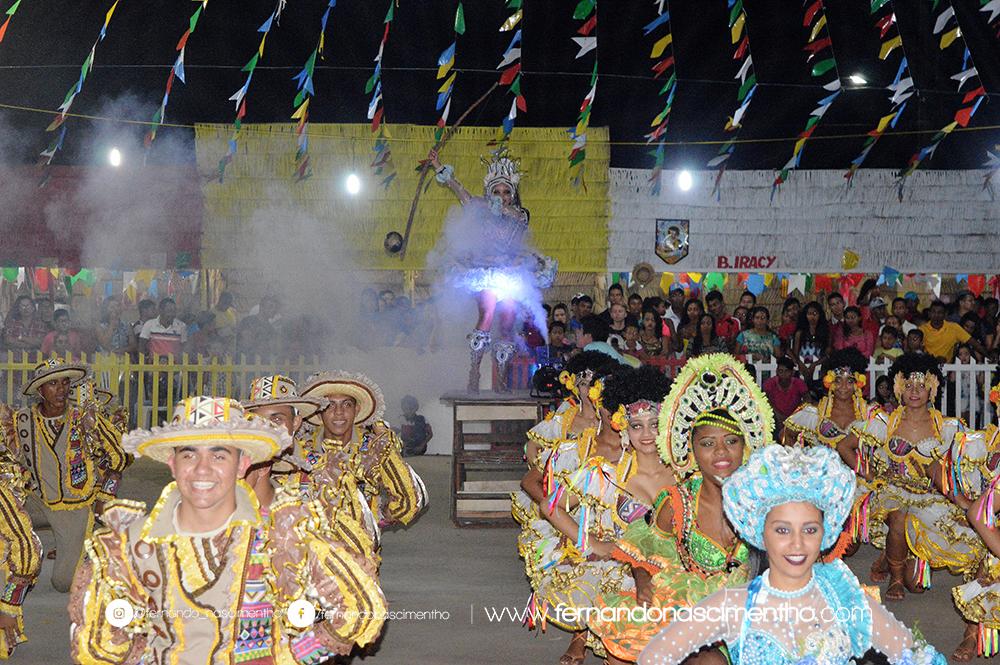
(714, 416)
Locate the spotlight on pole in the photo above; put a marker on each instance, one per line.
(353, 184)
(115, 157)
(685, 181)
(857, 79)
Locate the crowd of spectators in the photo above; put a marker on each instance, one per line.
(667, 331)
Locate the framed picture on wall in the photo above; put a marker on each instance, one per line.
(672, 239)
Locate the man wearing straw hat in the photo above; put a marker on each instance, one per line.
(211, 576)
(351, 438)
(72, 456)
(276, 398)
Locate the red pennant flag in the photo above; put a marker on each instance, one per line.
(963, 116)
(977, 284)
(738, 55)
(662, 66)
(589, 26)
(521, 104)
(183, 41)
(508, 74)
(377, 120)
(972, 94)
(811, 13)
(3, 28)
(818, 45)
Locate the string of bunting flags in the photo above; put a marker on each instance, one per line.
(176, 72)
(740, 38)
(510, 70)
(88, 65)
(820, 48)
(446, 63)
(240, 95)
(382, 165)
(134, 285)
(695, 283)
(662, 55)
(586, 11)
(901, 88)
(305, 91)
(946, 25)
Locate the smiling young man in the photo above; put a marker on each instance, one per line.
(209, 575)
(72, 458)
(352, 435)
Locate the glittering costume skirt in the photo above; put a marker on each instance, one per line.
(979, 601)
(938, 532)
(569, 590)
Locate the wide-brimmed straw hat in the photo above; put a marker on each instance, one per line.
(275, 389)
(366, 393)
(209, 421)
(52, 370)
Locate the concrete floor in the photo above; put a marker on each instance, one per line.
(451, 575)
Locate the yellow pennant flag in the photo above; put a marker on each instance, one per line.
(301, 110)
(445, 68)
(107, 18)
(816, 28)
(666, 279)
(738, 27)
(948, 37)
(660, 45)
(447, 84)
(884, 122)
(950, 127)
(768, 278)
(798, 146)
(889, 46)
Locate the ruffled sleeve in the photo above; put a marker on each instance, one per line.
(805, 421)
(938, 448)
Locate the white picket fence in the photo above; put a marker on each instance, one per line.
(975, 378)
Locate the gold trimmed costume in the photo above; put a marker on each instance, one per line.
(976, 460)
(937, 531)
(373, 459)
(221, 597)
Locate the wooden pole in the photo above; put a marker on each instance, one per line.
(426, 167)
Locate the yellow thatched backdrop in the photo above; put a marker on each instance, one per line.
(567, 223)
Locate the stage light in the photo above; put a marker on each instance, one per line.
(115, 157)
(857, 79)
(685, 181)
(353, 184)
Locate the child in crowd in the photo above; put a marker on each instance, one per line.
(884, 395)
(416, 431)
(558, 349)
(888, 349)
(915, 341)
(630, 340)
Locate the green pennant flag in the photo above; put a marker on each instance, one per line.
(878, 4)
(194, 19)
(669, 83)
(388, 14)
(812, 122)
(746, 87)
(584, 9)
(515, 86)
(371, 82)
(514, 4)
(578, 158)
(252, 65)
(460, 20)
(311, 63)
(10, 274)
(13, 8)
(823, 67)
(737, 8)
(299, 98)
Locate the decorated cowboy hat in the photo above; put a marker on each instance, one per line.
(274, 390)
(54, 369)
(366, 393)
(209, 421)
(87, 392)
